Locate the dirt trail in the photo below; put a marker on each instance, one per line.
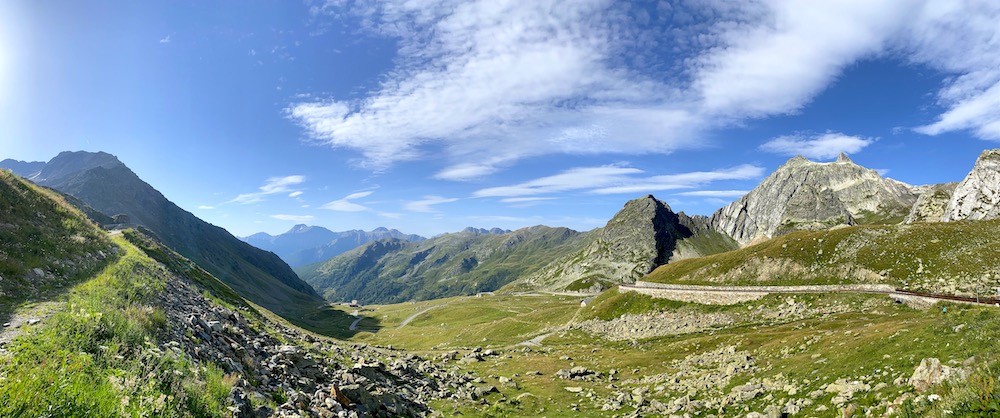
(24, 319)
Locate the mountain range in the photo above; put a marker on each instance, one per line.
(384, 266)
(304, 244)
(105, 184)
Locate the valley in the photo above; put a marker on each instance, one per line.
(655, 314)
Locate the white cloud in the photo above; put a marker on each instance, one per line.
(274, 185)
(165, 40)
(294, 218)
(776, 55)
(345, 204)
(206, 207)
(525, 199)
(822, 147)
(715, 193)
(615, 180)
(684, 180)
(426, 204)
(498, 81)
(572, 179)
(296, 193)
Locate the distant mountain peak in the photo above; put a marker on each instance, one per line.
(843, 158)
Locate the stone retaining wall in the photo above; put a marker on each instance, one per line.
(729, 295)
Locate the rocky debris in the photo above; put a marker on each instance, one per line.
(931, 372)
(978, 196)
(578, 373)
(802, 194)
(931, 204)
(844, 390)
(316, 376)
(640, 326)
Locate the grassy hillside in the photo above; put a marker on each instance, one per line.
(452, 264)
(107, 185)
(45, 244)
(954, 257)
(95, 356)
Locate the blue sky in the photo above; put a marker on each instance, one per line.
(429, 116)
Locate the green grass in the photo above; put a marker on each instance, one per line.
(39, 230)
(865, 336)
(964, 255)
(98, 355)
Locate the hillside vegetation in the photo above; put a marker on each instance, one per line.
(461, 263)
(954, 257)
(103, 182)
(45, 244)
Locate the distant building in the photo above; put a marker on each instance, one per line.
(354, 303)
(585, 302)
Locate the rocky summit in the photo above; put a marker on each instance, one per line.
(978, 196)
(641, 236)
(803, 194)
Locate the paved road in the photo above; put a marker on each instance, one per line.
(414, 316)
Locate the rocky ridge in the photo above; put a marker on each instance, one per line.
(803, 194)
(931, 204)
(644, 234)
(978, 196)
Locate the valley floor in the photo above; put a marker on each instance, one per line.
(627, 354)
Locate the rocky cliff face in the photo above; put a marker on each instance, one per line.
(645, 234)
(978, 196)
(931, 204)
(803, 194)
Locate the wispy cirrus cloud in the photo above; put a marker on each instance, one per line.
(273, 185)
(715, 193)
(496, 82)
(819, 147)
(346, 204)
(615, 180)
(294, 218)
(426, 205)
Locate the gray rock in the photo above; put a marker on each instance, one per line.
(931, 372)
(802, 194)
(978, 196)
(931, 204)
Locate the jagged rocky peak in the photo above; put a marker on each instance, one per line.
(803, 194)
(645, 225)
(978, 196)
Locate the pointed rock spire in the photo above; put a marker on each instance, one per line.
(843, 158)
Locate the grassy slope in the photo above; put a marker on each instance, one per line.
(258, 275)
(958, 257)
(39, 230)
(453, 264)
(97, 355)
